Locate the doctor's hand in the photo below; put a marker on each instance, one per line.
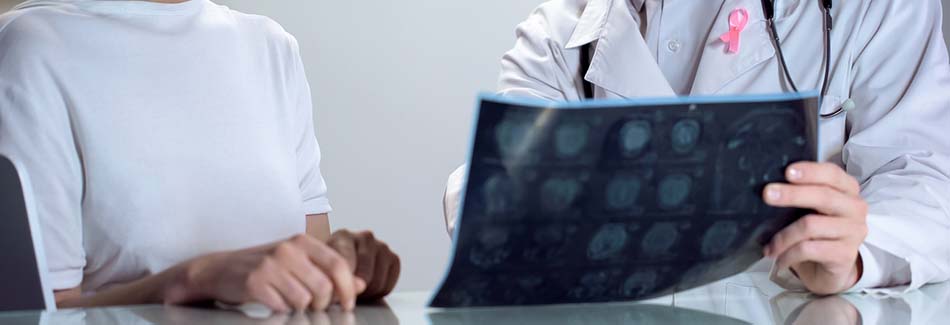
(370, 260)
(821, 248)
(294, 274)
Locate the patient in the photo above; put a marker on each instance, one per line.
(172, 153)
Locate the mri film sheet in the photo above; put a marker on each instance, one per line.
(618, 201)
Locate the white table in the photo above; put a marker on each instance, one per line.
(747, 298)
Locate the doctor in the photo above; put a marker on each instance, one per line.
(882, 193)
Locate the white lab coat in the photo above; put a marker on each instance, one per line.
(889, 57)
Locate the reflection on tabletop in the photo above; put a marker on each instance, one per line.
(580, 314)
(745, 299)
(157, 314)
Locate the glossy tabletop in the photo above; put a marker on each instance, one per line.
(744, 299)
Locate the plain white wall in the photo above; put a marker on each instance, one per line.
(394, 85)
(946, 12)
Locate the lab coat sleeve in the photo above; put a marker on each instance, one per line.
(898, 146)
(451, 202)
(534, 68)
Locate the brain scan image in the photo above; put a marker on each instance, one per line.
(549, 243)
(476, 290)
(512, 136)
(529, 282)
(685, 135)
(491, 249)
(571, 138)
(639, 283)
(660, 238)
(591, 284)
(607, 202)
(559, 193)
(622, 192)
(608, 242)
(501, 194)
(719, 237)
(757, 148)
(634, 137)
(674, 190)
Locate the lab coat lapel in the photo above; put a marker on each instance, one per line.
(621, 62)
(718, 68)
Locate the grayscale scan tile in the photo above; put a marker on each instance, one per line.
(615, 201)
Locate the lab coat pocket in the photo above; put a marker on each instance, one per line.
(831, 131)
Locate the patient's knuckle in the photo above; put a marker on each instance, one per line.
(368, 235)
(301, 239)
(323, 287)
(286, 249)
(339, 265)
(343, 233)
(268, 264)
(254, 281)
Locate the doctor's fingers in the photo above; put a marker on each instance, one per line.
(816, 227)
(833, 255)
(823, 199)
(345, 285)
(823, 174)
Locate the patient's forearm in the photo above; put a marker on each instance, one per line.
(318, 226)
(167, 285)
(148, 290)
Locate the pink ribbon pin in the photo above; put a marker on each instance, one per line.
(737, 21)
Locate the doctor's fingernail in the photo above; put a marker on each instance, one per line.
(773, 193)
(794, 174)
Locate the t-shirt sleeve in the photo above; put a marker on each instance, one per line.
(313, 187)
(35, 131)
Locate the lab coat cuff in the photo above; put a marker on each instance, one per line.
(786, 279)
(897, 266)
(873, 275)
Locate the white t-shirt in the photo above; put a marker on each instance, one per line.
(155, 133)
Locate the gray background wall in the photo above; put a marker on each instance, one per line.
(394, 85)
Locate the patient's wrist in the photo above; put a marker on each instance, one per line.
(183, 283)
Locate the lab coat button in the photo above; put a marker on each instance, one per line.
(673, 46)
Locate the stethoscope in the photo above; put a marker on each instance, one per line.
(768, 7)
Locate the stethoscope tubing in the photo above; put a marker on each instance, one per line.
(770, 20)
